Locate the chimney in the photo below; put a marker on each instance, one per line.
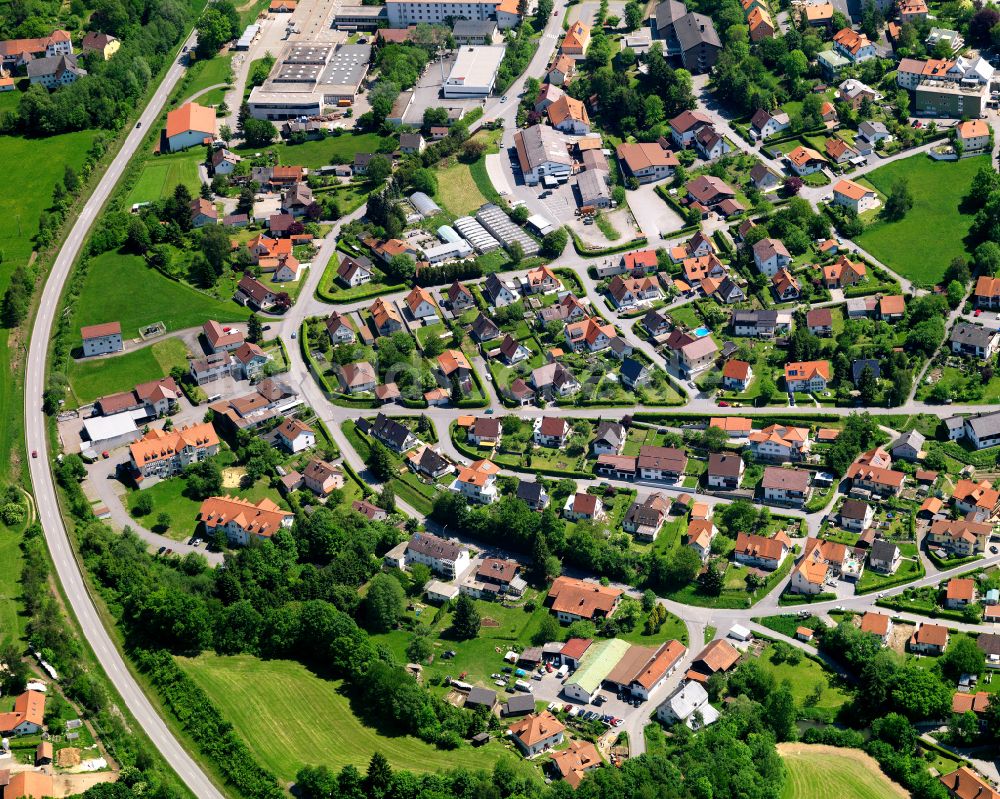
(702, 28)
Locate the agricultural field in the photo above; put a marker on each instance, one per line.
(162, 173)
(924, 242)
(122, 288)
(11, 562)
(90, 379)
(825, 772)
(289, 717)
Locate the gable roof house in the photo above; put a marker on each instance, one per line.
(687, 34)
(535, 734)
(820, 321)
(805, 160)
(785, 286)
(854, 46)
(242, 520)
(572, 599)
(807, 376)
(569, 115)
(647, 161)
(778, 442)
(973, 340)
(55, 71)
(645, 519)
(785, 486)
(190, 125)
(609, 438)
(761, 552)
(929, 639)
(978, 502)
(854, 196)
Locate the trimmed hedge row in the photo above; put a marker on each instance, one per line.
(585, 252)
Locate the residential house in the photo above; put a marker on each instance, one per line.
(394, 435)
(891, 308)
(685, 126)
(820, 322)
(987, 292)
(856, 515)
(478, 482)
(421, 304)
(589, 334)
(929, 639)
(973, 340)
(854, 46)
(779, 443)
(761, 552)
(551, 431)
(498, 293)
(452, 367)
(27, 717)
(700, 535)
(770, 256)
(532, 494)
(609, 438)
(322, 477)
(807, 376)
(974, 135)
(580, 506)
(385, 317)
(242, 520)
(725, 470)
(978, 502)
(460, 297)
(513, 351)
(786, 286)
(785, 486)
(860, 365)
(573, 763)
(647, 162)
(340, 329)
(959, 593)
(560, 71)
(411, 143)
(357, 378)
(689, 705)
(717, 656)
(442, 556)
(485, 431)
(737, 375)
(634, 373)
(765, 123)
(645, 519)
(877, 624)
(251, 292)
(535, 734)
(572, 600)
(760, 24)
(554, 381)
(569, 115)
(962, 538)
(661, 463)
(761, 324)
(103, 44)
(428, 462)
(711, 144)
(909, 446)
(295, 436)
(872, 480)
(55, 71)
(575, 41)
(542, 151)
(764, 178)
(843, 273)
(695, 356)
(854, 196)
(708, 191)
(804, 161)
(101, 339)
(884, 556)
(631, 292)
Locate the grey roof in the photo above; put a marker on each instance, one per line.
(728, 288)
(519, 704)
(425, 205)
(755, 317)
(954, 422)
(724, 464)
(390, 430)
(593, 185)
(484, 328)
(434, 547)
(430, 462)
(653, 319)
(853, 509)
(696, 29)
(976, 335)
(543, 144)
(668, 12)
(529, 491)
(913, 438)
(989, 643)
(612, 432)
(632, 369)
(481, 696)
(54, 65)
(869, 129)
(985, 425)
(472, 27)
(859, 365)
(883, 550)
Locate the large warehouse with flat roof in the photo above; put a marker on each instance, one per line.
(308, 78)
(475, 72)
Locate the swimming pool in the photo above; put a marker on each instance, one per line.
(701, 332)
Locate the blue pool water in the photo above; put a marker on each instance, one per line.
(702, 332)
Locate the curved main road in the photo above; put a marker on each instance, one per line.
(56, 535)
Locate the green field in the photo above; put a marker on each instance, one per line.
(161, 173)
(330, 150)
(33, 166)
(209, 73)
(804, 677)
(11, 562)
(122, 288)
(97, 378)
(823, 772)
(290, 718)
(922, 244)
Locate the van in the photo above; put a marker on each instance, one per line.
(215, 398)
(521, 685)
(563, 671)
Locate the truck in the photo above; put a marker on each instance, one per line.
(521, 685)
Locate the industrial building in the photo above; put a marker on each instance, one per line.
(441, 12)
(474, 72)
(308, 78)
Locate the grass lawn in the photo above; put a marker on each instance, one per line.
(289, 718)
(91, 379)
(33, 166)
(209, 73)
(11, 562)
(170, 497)
(823, 772)
(804, 676)
(908, 570)
(122, 288)
(458, 191)
(162, 173)
(673, 628)
(922, 244)
(323, 152)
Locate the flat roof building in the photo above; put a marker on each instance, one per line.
(309, 77)
(474, 72)
(942, 98)
(366, 18)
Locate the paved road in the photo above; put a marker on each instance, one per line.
(56, 536)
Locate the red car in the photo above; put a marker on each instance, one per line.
(978, 311)
(34, 453)
(723, 404)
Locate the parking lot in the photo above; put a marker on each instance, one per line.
(427, 92)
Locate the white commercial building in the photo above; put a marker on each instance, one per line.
(474, 72)
(402, 13)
